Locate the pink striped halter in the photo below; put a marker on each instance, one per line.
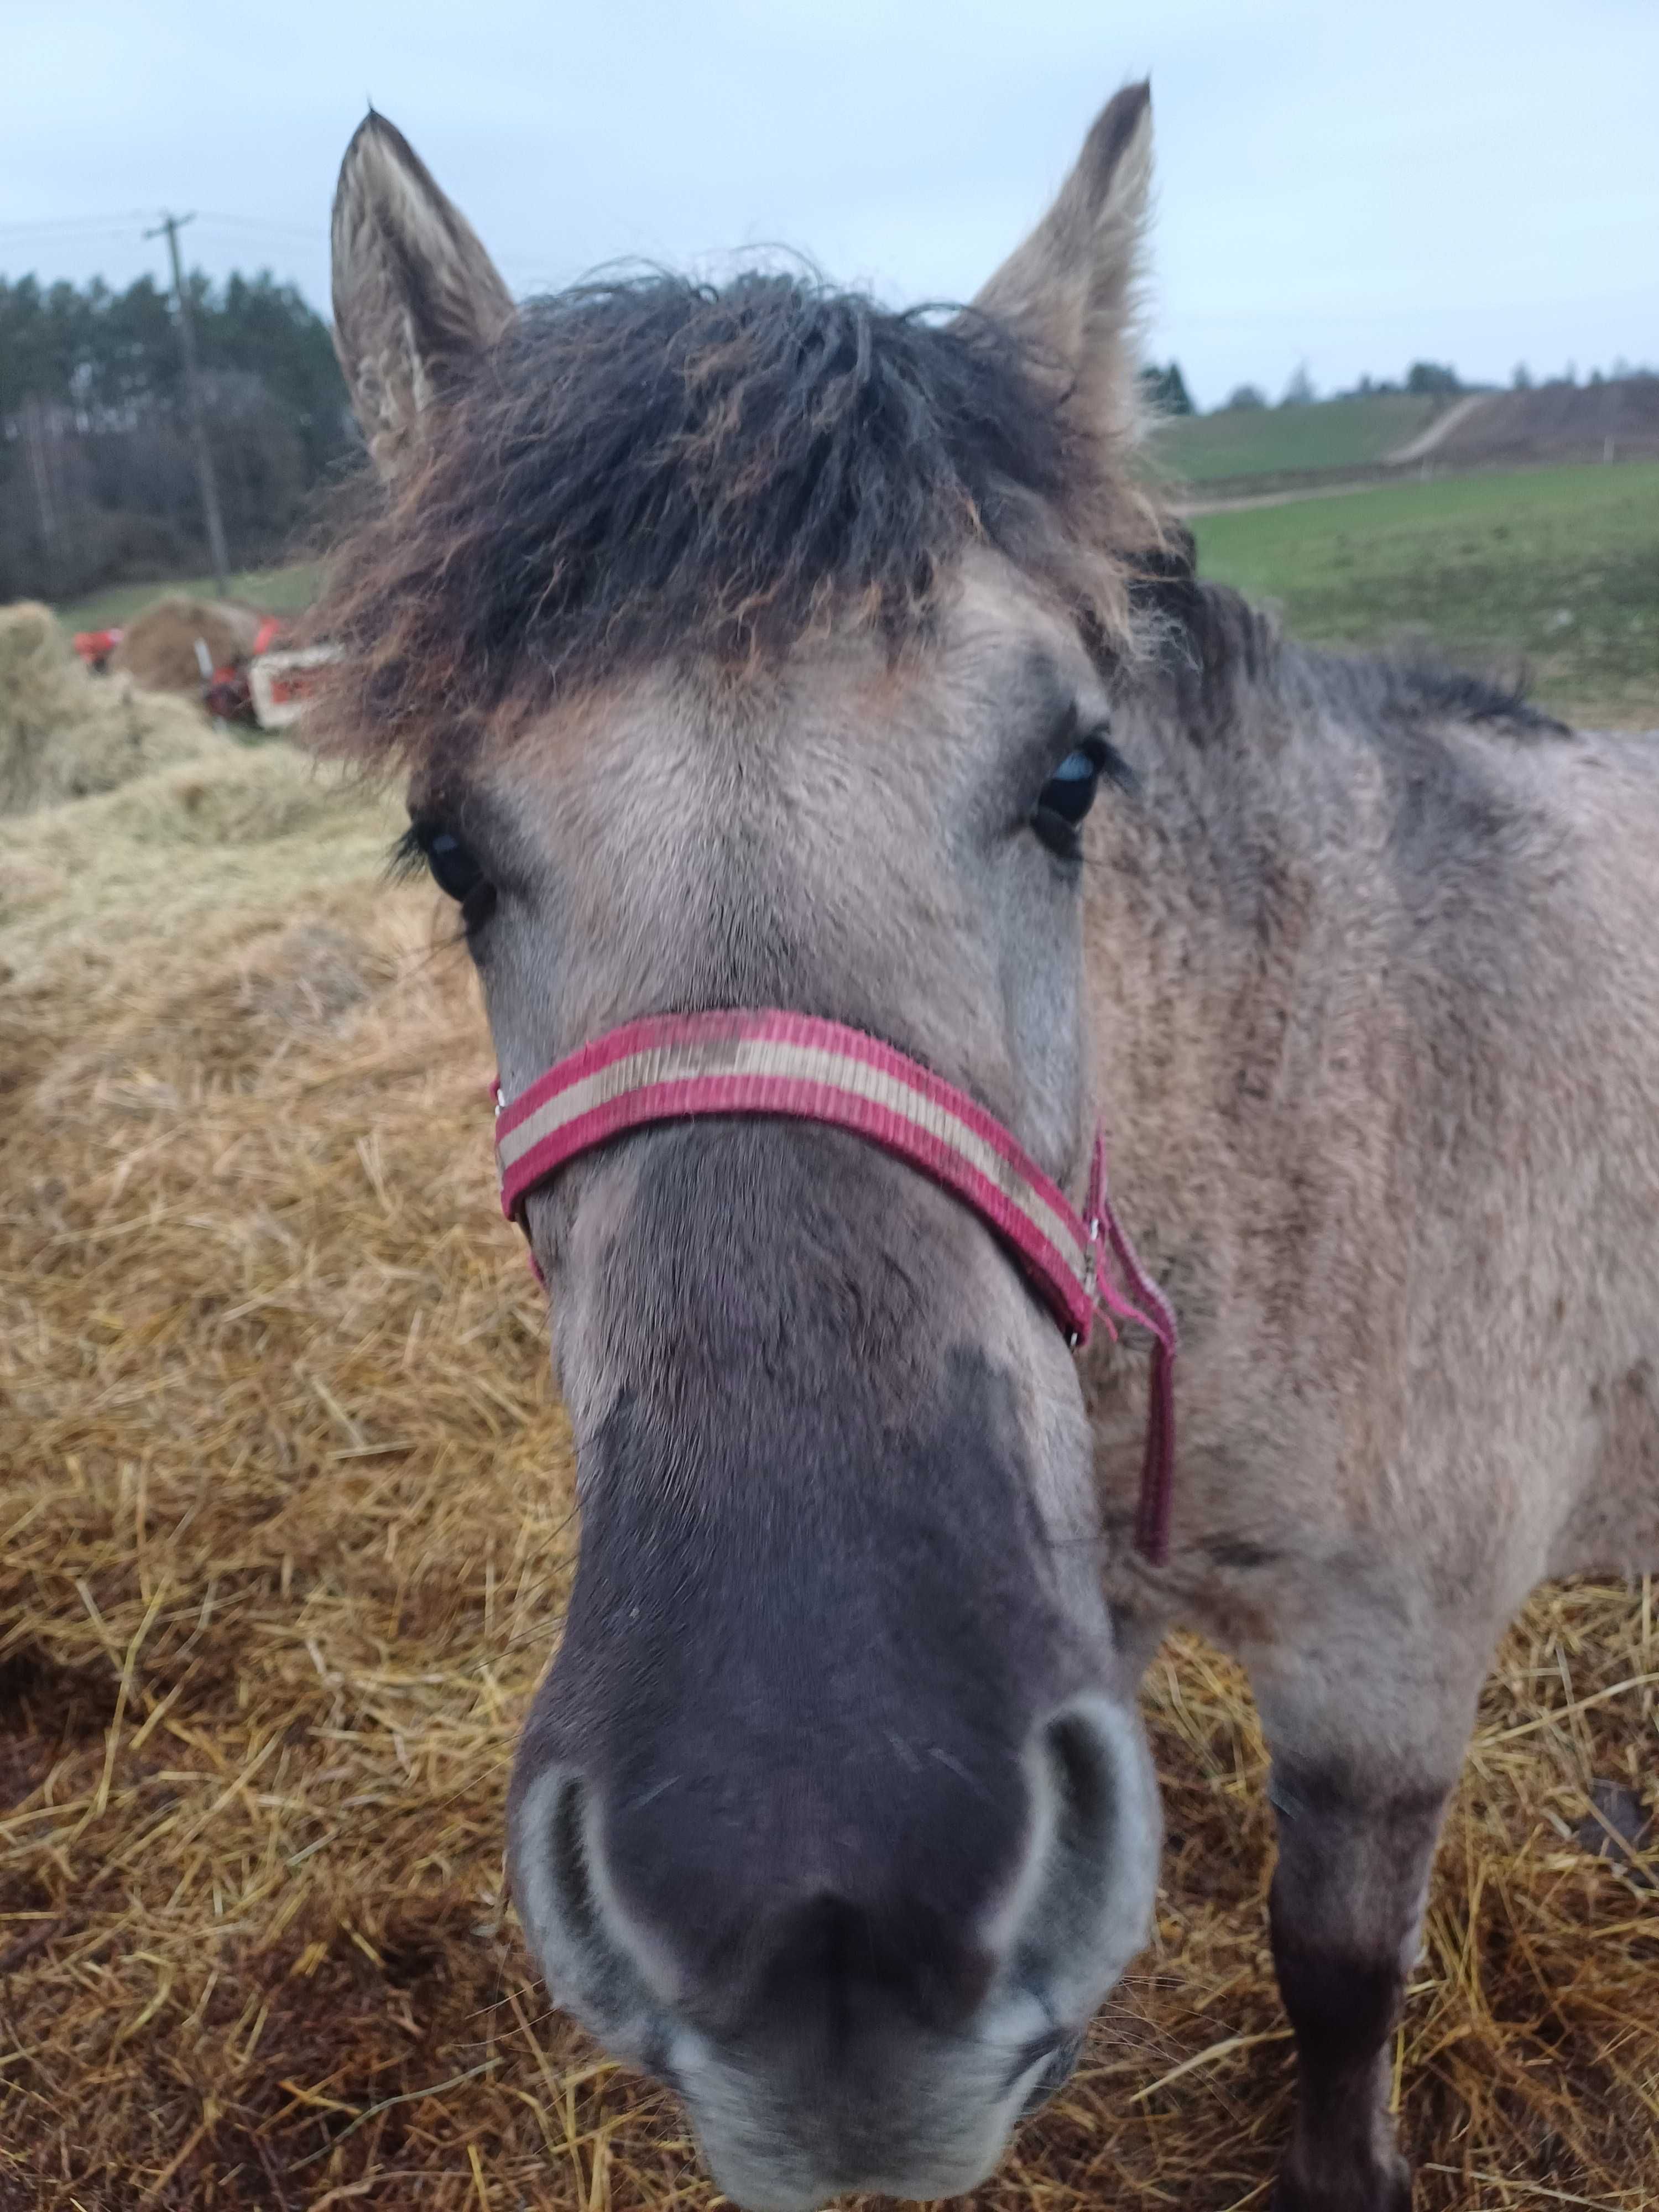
(670, 1067)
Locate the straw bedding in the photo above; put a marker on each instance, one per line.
(285, 1531)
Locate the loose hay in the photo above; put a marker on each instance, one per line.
(157, 650)
(64, 733)
(285, 1534)
(189, 851)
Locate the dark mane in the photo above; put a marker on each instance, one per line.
(657, 466)
(1383, 690)
(1211, 644)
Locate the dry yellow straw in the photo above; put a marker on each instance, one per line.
(286, 1528)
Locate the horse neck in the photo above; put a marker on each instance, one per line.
(1232, 937)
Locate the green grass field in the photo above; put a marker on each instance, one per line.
(1554, 571)
(273, 591)
(1252, 441)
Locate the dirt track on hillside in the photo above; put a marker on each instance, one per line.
(1552, 423)
(1444, 425)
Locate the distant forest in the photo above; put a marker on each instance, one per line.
(1435, 377)
(98, 481)
(97, 478)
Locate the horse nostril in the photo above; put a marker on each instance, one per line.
(1092, 1868)
(570, 1870)
(559, 1876)
(1085, 1782)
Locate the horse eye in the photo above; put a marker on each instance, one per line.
(453, 868)
(1066, 798)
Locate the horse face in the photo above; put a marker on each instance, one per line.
(834, 1810)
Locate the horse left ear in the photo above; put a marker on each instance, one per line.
(416, 296)
(1070, 289)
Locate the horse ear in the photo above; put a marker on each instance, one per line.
(1070, 289)
(416, 296)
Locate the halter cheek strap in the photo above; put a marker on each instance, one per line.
(737, 1061)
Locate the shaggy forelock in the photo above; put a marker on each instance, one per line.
(660, 467)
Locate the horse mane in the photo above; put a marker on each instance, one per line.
(658, 466)
(1211, 646)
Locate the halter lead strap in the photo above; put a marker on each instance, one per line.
(673, 1066)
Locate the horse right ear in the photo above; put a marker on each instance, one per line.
(416, 296)
(1070, 290)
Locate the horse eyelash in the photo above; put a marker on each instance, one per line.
(406, 858)
(406, 863)
(1115, 769)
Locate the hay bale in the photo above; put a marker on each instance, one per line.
(64, 734)
(157, 650)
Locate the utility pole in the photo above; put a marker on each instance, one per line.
(34, 436)
(172, 225)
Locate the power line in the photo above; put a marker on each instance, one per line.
(59, 223)
(30, 258)
(310, 235)
(59, 226)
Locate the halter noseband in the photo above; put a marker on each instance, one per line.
(670, 1067)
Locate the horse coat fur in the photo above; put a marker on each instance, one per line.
(732, 641)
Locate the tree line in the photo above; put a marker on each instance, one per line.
(1165, 389)
(1434, 377)
(98, 483)
(97, 479)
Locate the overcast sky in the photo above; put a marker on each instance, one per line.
(1352, 185)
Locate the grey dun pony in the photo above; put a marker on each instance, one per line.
(752, 645)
